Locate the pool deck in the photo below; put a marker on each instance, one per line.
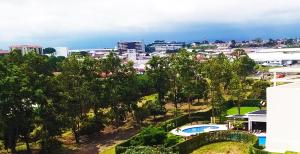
(179, 132)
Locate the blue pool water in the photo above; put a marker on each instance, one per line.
(199, 129)
(262, 140)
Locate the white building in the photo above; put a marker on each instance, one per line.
(27, 48)
(162, 46)
(61, 51)
(283, 115)
(277, 57)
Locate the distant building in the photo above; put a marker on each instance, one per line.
(162, 46)
(61, 51)
(27, 48)
(276, 57)
(96, 53)
(139, 46)
(3, 52)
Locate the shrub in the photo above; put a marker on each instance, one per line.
(155, 108)
(150, 136)
(166, 126)
(51, 146)
(90, 126)
(148, 150)
(211, 137)
(172, 140)
(140, 113)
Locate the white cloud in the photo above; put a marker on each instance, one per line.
(32, 19)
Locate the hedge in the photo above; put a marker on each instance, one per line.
(184, 119)
(168, 126)
(245, 103)
(202, 139)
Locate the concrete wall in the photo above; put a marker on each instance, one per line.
(283, 118)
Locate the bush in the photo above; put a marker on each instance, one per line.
(245, 103)
(166, 126)
(148, 150)
(172, 140)
(210, 137)
(150, 136)
(90, 126)
(51, 146)
(140, 113)
(184, 119)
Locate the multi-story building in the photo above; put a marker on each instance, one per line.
(162, 46)
(61, 51)
(27, 48)
(139, 46)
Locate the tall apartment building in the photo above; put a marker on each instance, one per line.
(27, 48)
(139, 46)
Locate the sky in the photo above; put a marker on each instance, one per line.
(101, 23)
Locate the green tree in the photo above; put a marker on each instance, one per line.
(158, 71)
(49, 50)
(120, 86)
(76, 92)
(259, 89)
(242, 66)
(218, 71)
(16, 108)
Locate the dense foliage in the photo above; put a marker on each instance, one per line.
(49, 95)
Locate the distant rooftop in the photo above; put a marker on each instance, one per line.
(3, 52)
(290, 85)
(286, 69)
(258, 112)
(28, 46)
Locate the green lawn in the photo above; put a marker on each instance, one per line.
(223, 148)
(110, 150)
(244, 110)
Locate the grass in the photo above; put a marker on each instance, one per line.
(110, 150)
(244, 110)
(224, 148)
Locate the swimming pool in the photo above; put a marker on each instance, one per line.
(262, 140)
(196, 129)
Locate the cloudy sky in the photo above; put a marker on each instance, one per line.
(100, 23)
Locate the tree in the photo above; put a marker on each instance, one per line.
(76, 92)
(237, 91)
(219, 71)
(154, 108)
(184, 65)
(54, 63)
(120, 86)
(16, 108)
(237, 53)
(243, 66)
(49, 50)
(158, 71)
(259, 89)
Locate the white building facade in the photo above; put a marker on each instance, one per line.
(61, 51)
(283, 118)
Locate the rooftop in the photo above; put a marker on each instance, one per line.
(258, 112)
(286, 70)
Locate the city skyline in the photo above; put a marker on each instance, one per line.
(102, 23)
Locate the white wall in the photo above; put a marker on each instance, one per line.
(283, 118)
(62, 51)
